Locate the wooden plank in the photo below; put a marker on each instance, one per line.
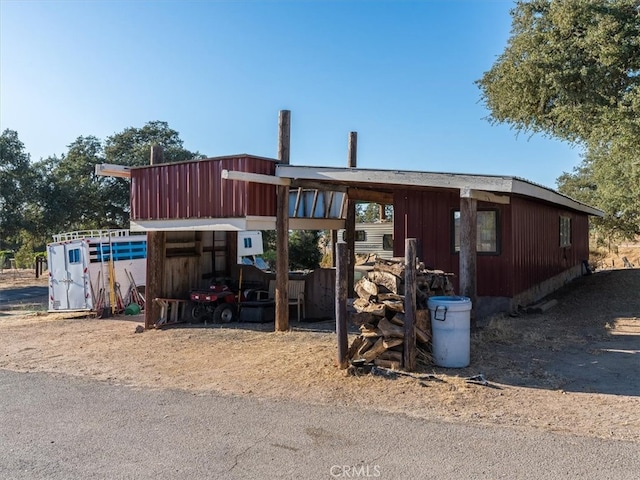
(254, 177)
(155, 260)
(484, 196)
(297, 204)
(372, 196)
(282, 229)
(350, 221)
(410, 304)
(468, 256)
(341, 304)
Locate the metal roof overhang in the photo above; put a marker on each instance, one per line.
(204, 224)
(233, 224)
(392, 179)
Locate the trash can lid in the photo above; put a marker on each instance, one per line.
(451, 302)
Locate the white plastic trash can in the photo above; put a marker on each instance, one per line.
(451, 328)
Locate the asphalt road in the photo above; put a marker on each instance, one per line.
(56, 427)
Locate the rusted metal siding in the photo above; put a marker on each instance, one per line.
(196, 190)
(537, 254)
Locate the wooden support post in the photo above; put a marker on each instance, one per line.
(468, 256)
(232, 253)
(334, 242)
(282, 228)
(341, 304)
(155, 261)
(350, 221)
(410, 304)
(382, 211)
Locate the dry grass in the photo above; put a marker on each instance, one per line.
(603, 258)
(13, 278)
(300, 366)
(500, 329)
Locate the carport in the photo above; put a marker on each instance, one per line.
(539, 242)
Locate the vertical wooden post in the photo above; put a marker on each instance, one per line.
(334, 241)
(232, 252)
(341, 303)
(468, 255)
(350, 221)
(282, 228)
(382, 211)
(410, 304)
(155, 261)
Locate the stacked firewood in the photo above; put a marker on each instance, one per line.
(380, 313)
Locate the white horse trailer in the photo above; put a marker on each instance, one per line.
(90, 270)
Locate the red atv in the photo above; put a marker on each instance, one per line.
(219, 303)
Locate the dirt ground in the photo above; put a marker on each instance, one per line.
(574, 369)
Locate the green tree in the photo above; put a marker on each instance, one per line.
(370, 212)
(571, 70)
(132, 147)
(304, 250)
(16, 187)
(76, 186)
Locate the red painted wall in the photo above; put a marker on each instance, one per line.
(196, 190)
(535, 237)
(529, 251)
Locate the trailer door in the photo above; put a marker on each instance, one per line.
(69, 281)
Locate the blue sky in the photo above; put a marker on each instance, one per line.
(400, 73)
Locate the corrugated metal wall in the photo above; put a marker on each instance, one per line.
(196, 190)
(529, 240)
(425, 215)
(537, 254)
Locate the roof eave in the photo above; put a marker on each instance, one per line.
(489, 183)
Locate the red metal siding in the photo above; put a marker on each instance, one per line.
(528, 234)
(196, 190)
(427, 216)
(537, 254)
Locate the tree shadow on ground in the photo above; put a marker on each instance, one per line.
(589, 342)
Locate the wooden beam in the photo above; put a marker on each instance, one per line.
(110, 170)
(310, 184)
(410, 287)
(156, 253)
(350, 223)
(342, 293)
(282, 228)
(468, 255)
(484, 196)
(254, 177)
(372, 196)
